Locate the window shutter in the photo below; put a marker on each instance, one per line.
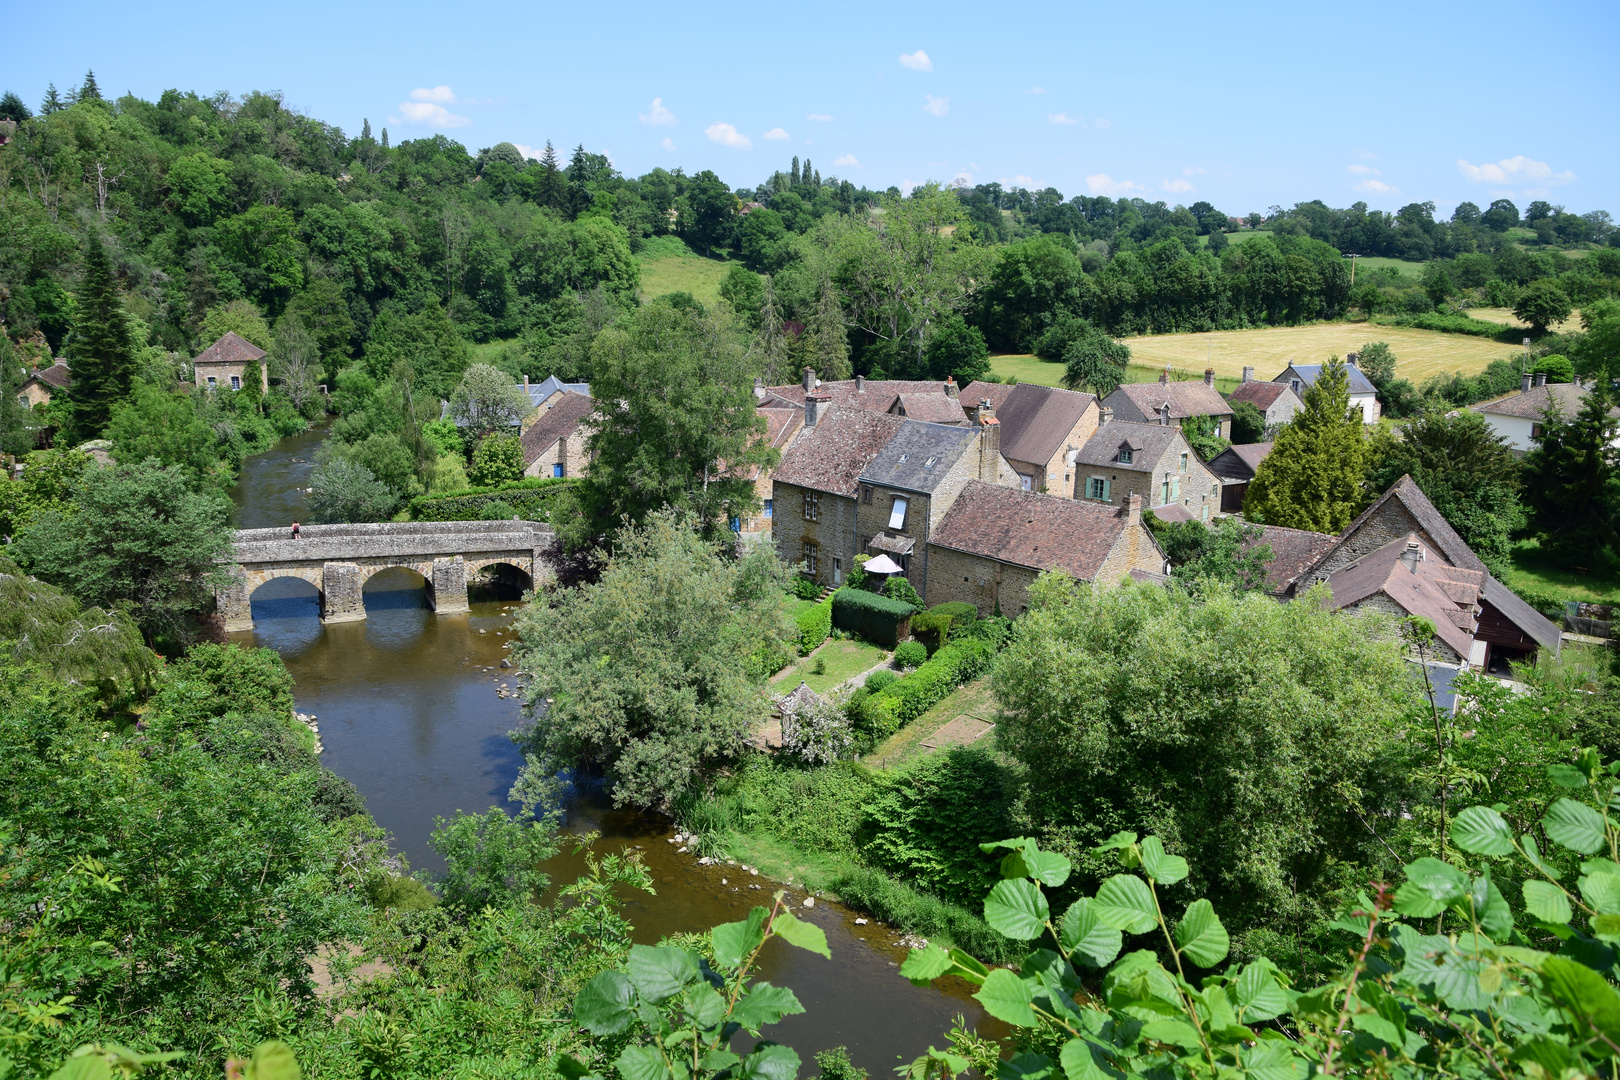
(1108, 495)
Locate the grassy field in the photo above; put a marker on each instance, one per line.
(668, 265)
(1032, 369)
(1533, 568)
(843, 660)
(974, 699)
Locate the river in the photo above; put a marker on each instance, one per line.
(408, 707)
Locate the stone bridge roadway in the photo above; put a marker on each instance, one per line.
(339, 559)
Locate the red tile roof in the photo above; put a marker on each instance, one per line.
(1262, 395)
(1035, 420)
(1293, 551)
(1446, 595)
(1141, 401)
(230, 349)
(935, 408)
(1025, 528)
(56, 375)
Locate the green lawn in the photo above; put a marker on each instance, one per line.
(843, 660)
(668, 265)
(1533, 568)
(1032, 369)
(974, 699)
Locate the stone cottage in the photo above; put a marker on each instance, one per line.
(1042, 430)
(43, 383)
(1406, 578)
(1276, 401)
(1301, 377)
(1151, 460)
(224, 363)
(1177, 402)
(554, 443)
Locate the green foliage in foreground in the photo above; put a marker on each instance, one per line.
(531, 499)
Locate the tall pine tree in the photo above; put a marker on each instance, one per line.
(551, 190)
(1313, 478)
(102, 353)
(772, 339)
(829, 335)
(53, 101)
(1572, 480)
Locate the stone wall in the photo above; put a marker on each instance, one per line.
(1391, 522)
(985, 582)
(1383, 605)
(568, 451)
(833, 532)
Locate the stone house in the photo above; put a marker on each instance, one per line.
(1293, 551)
(1300, 377)
(1151, 460)
(782, 426)
(1276, 401)
(554, 443)
(42, 383)
(1406, 578)
(541, 393)
(1042, 430)
(1518, 417)
(873, 395)
(1235, 468)
(995, 541)
(223, 364)
(1177, 402)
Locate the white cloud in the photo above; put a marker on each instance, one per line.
(658, 116)
(1019, 181)
(1062, 118)
(917, 61)
(440, 94)
(1514, 168)
(1365, 155)
(528, 151)
(1101, 123)
(427, 114)
(1103, 184)
(668, 143)
(819, 117)
(1176, 185)
(1375, 187)
(1363, 170)
(777, 135)
(847, 161)
(726, 135)
(1037, 90)
(939, 106)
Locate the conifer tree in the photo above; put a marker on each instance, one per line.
(89, 91)
(829, 335)
(102, 353)
(53, 101)
(551, 190)
(1313, 478)
(1570, 479)
(772, 338)
(12, 108)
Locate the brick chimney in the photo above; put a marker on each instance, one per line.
(1412, 555)
(814, 406)
(525, 384)
(1248, 374)
(809, 379)
(1209, 376)
(1133, 509)
(1105, 414)
(1164, 376)
(1352, 358)
(1541, 378)
(989, 442)
(1526, 381)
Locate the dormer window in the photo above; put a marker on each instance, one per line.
(1124, 455)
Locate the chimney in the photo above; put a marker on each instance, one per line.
(814, 406)
(1164, 415)
(860, 383)
(1105, 414)
(759, 388)
(809, 379)
(1248, 374)
(1352, 358)
(1541, 378)
(1164, 376)
(1209, 376)
(989, 442)
(1412, 555)
(950, 386)
(1133, 509)
(525, 383)
(1525, 382)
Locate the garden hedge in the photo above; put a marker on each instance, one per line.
(934, 625)
(814, 625)
(899, 703)
(876, 618)
(531, 499)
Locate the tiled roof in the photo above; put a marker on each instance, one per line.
(919, 455)
(1148, 443)
(1025, 528)
(557, 422)
(1445, 538)
(1309, 373)
(936, 408)
(1141, 401)
(56, 375)
(1035, 420)
(1534, 403)
(230, 349)
(780, 427)
(1172, 513)
(876, 395)
(1262, 395)
(1520, 614)
(975, 392)
(539, 392)
(830, 456)
(1293, 551)
(1446, 595)
(1240, 462)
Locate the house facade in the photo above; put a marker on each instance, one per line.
(995, 541)
(1301, 377)
(1518, 417)
(1276, 401)
(554, 443)
(43, 383)
(1235, 467)
(1153, 461)
(223, 364)
(1176, 402)
(1042, 430)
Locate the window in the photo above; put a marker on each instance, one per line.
(866, 493)
(212, 382)
(22, 399)
(1294, 385)
(1183, 462)
(1097, 488)
(1535, 431)
(812, 506)
(1026, 482)
(236, 382)
(1124, 455)
(1165, 497)
(897, 512)
(557, 469)
(811, 557)
(767, 509)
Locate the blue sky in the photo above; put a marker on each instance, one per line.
(1243, 104)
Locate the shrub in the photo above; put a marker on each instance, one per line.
(916, 912)
(878, 619)
(910, 654)
(1542, 599)
(529, 499)
(1446, 324)
(819, 667)
(885, 713)
(876, 681)
(934, 625)
(497, 510)
(803, 588)
(814, 624)
(898, 588)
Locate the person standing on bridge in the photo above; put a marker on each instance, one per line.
(295, 530)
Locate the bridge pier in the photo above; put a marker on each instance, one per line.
(232, 600)
(340, 593)
(447, 589)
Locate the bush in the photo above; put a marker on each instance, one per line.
(1446, 324)
(497, 510)
(885, 713)
(1543, 600)
(803, 588)
(898, 588)
(916, 912)
(1558, 369)
(910, 654)
(529, 499)
(876, 681)
(814, 624)
(878, 619)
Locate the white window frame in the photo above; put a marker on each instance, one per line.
(897, 512)
(812, 557)
(236, 382)
(812, 506)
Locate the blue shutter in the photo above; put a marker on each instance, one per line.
(1108, 495)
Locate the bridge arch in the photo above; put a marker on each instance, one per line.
(508, 578)
(281, 602)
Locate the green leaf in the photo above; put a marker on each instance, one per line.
(1006, 997)
(88, 1067)
(1273, 1059)
(570, 1067)
(922, 966)
(660, 973)
(1573, 825)
(1430, 887)
(641, 1063)
(1566, 776)
(1085, 935)
(1599, 866)
(969, 967)
(807, 936)
(1606, 928)
(734, 942)
(274, 1060)
(1176, 1032)
(703, 1006)
(1490, 906)
(604, 1005)
(771, 1061)
(718, 1060)
(1201, 936)
(1547, 902)
(1533, 853)
(1259, 993)
(1162, 868)
(1583, 992)
(1080, 1062)
(1125, 903)
(1017, 909)
(1602, 891)
(765, 1004)
(1380, 1029)
(1483, 831)
(1025, 1066)
(1118, 842)
(1048, 867)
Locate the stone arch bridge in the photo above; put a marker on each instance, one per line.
(339, 559)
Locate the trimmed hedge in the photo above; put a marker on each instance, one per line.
(876, 618)
(934, 625)
(814, 625)
(530, 499)
(1445, 324)
(898, 704)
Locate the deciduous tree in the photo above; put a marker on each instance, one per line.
(487, 399)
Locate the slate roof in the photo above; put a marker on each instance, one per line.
(1026, 528)
(1526, 618)
(1262, 395)
(919, 455)
(56, 375)
(975, 392)
(1240, 462)
(557, 422)
(1293, 551)
(1534, 403)
(539, 392)
(230, 349)
(935, 408)
(1446, 595)
(831, 456)
(1035, 420)
(1309, 373)
(1147, 441)
(1141, 401)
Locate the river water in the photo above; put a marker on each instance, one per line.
(409, 711)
